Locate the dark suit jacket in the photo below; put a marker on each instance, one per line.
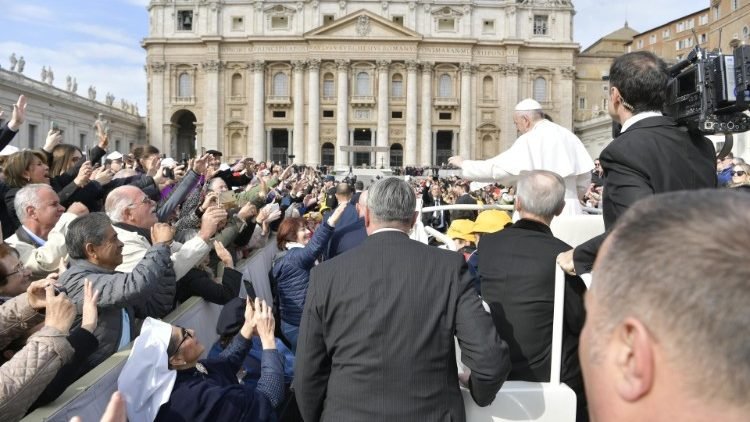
(429, 219)
(517, 269)
(653, 156)
(376, 339)
(345, 238)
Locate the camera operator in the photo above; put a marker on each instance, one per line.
(651, 155)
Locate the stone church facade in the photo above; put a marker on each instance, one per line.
(378, 83)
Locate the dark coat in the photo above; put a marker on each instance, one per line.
(377, 336)
(652, 156)
(517, 269)
(346, 238)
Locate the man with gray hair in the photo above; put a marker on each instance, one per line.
(517, 273)
(543, 145)
(666, 332)
(40, 240)
(377, 335)
(149, 290)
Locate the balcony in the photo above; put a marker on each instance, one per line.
(183, 100)
(398, 99)
(328, 99)
(278, 101)
(487, 102)
(445, 102)
(362, 100)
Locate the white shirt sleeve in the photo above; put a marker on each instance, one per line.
(485, 171)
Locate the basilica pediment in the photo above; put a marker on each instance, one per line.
(363, 26)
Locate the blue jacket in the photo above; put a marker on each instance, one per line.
(253, 364)
(292, 274)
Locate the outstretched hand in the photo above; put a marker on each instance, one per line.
(19, 113)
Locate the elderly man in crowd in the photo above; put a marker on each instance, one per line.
(666, 328)
(517, 270)
(543, 145)
(40, 240)
(377, 333)
(95, 252)
(133, 214)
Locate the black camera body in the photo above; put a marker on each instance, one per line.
(709, 91)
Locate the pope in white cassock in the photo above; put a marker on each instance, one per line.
(543, 145)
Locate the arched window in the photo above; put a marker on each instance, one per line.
(745, 32)
(445, 88)
(488, 88)
(540, 89)
(280, 84)
(363, 83)
(236, 144)
(185, 88)
(237, 90)
(397, 85)
(328, 87)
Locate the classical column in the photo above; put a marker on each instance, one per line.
(269, 145)
(511, 99)
(410, 149)
(382, 158)
(373, 138)
(156, 105)
(298, 142)
(426, 143)
(475, 149)
(211, 96)
(342, 113)
(464, 149)
(259, 109)
(312, 157)
(567, 74)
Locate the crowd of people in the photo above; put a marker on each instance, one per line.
(366, 309)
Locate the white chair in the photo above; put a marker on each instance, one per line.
(531, 401)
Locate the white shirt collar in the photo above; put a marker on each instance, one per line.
(292, 245)
(637, 118)
(388, 229)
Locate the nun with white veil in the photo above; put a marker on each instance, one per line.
(164, 378)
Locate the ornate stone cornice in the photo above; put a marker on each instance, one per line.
(299, 65)
(383, 65)
(568, 72)
(258, 65)
(342, 64)
(211, 66)
(158, 67)
(512, 69)
(412, 65)
(313, 64)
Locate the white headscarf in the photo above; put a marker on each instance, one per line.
(146, 380)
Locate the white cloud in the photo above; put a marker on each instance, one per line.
(101, 32)
(123, 78)
(27, 12)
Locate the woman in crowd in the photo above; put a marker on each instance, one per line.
(740, 177)
(69, 168)
(164, 380)
(22, 168)
(14, 278)
(291, 267)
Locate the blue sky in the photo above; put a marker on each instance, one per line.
(98, 41)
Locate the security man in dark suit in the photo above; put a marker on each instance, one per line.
(651, 155)
(517, 271)
(376, 341)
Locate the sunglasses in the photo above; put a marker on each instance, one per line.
(185, 335)
(738, 173)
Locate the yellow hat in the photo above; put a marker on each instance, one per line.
(491, 221)
(461, 229)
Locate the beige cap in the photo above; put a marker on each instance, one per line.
(528, 104)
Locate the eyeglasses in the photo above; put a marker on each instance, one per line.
(145, 200)
(738, 173)
(185, 335)
(18, 269)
